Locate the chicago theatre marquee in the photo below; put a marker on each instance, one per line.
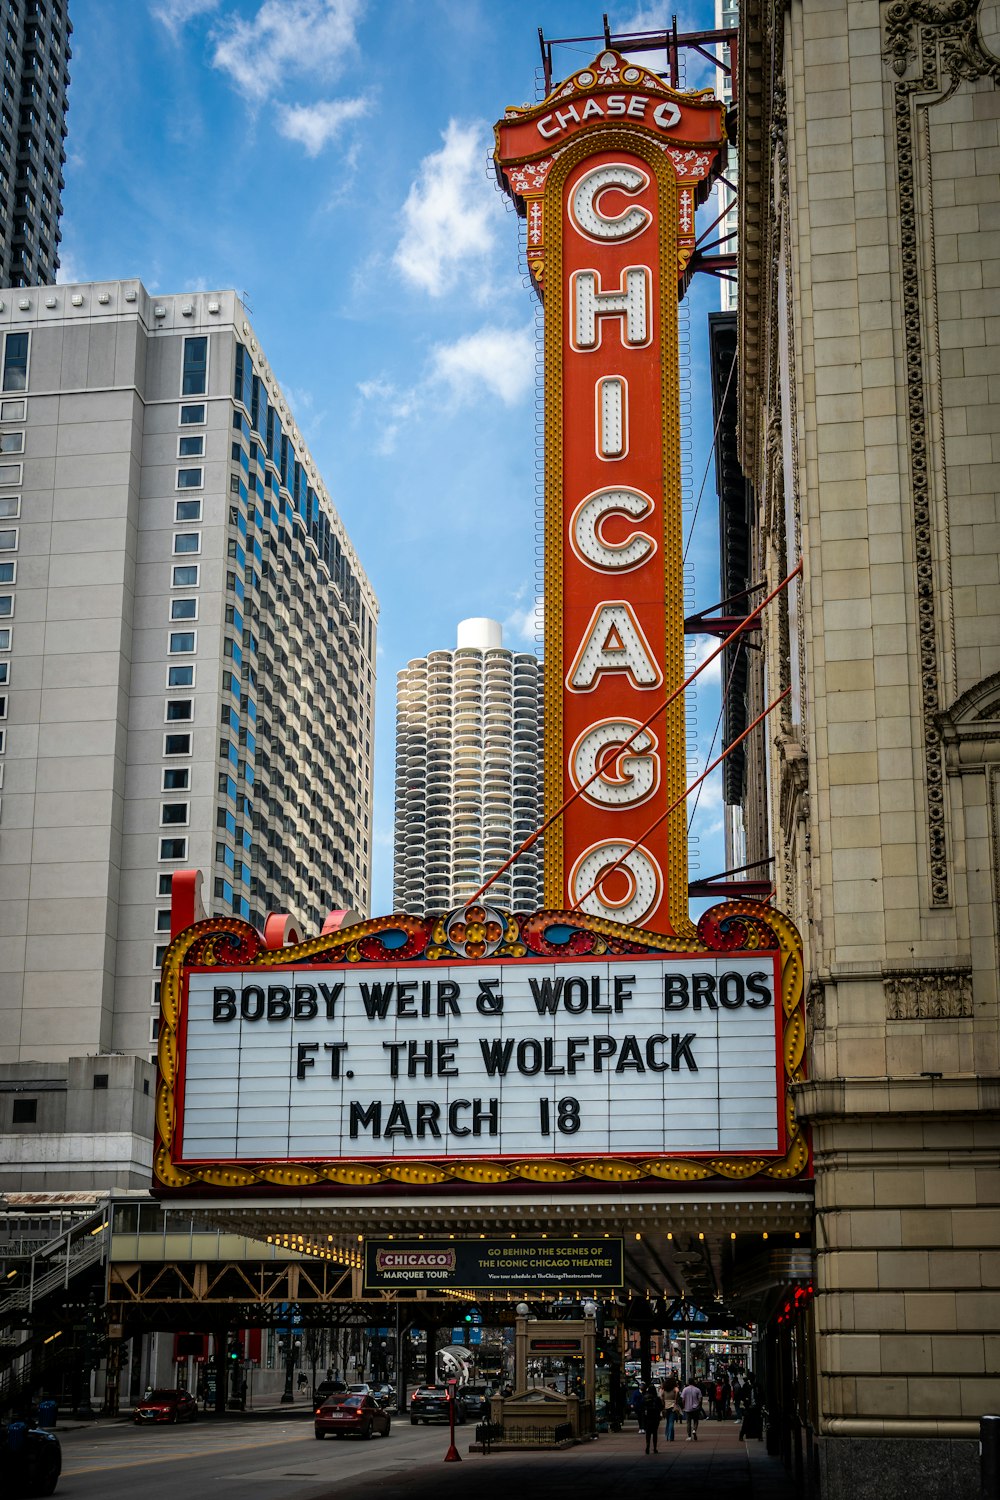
(605, 1064)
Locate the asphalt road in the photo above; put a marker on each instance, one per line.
(277, 1459)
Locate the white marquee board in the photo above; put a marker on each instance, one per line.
(513, 1058)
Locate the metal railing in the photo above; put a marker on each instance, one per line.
(58, 1261)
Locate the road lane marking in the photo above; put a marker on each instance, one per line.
(173, 1458)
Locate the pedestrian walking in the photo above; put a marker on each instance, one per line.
(691, 1407)
(669, 1395)
(650, 1416)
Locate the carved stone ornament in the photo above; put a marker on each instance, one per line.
(927, 994)
(943, 39)
(952, 27)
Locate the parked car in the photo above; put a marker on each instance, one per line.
(473, 1402)
(325, 1390)
(429, 1403)
(355, 1413)
(166, 1406)
(30, 1460)
(385, 1395)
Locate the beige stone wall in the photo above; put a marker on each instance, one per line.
(870, 427)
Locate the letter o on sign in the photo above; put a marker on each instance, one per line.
(626, 894)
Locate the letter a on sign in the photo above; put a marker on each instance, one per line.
(607, 172)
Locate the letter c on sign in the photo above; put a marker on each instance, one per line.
(588, 521)
(588, 217)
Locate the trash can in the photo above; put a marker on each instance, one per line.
(48, 1413)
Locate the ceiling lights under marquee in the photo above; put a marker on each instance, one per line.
(608, 171)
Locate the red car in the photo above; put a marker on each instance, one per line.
(347, 1413)
(166, 1406)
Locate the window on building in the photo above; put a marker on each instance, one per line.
(180, 710)
(180, 676)
(182, 641)
(6, 634)
(163, 919)
(175, 779)
(189, 479)
(8, 572)
(13, 411)
(187, 510)
(15, 362)
(4, 671)
(6, 604)
(100, 1080)
(25, 1112)
(10, 473)
(185, 576)
(192, 415)
(184, 609)
(8, 540)
(187, 447)
(194, 378)
(10, 507)
(11, 442)
(177, 744)
(174, 812)
(187, 541)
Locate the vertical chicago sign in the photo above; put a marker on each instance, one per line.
(604, 1041)
(608, 171)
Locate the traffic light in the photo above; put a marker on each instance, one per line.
(234, 1352)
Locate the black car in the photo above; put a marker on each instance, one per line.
(473, 1402)
(30, 1460)
(429, 1403)
(325, 1390)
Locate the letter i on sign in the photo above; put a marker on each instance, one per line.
(610, 233)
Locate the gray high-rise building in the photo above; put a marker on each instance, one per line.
(187, 657)
(33, 103)
(468, 773)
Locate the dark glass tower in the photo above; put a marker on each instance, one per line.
(34, 37)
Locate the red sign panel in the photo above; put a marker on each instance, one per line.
(608, 171)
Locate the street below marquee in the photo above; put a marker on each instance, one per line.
(274, 1456)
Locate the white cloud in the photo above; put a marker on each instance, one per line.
(315, 125)
(286, 37)
(496, 361)
(527, 624)
(501, 359)
(450, 213)
(70, 271)
(700, 73)
(176, 13)
(697, 650)
(394, 408)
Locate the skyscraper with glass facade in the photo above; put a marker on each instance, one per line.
(187, 656)
(33, 102)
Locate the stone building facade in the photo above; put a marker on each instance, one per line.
(870, 399)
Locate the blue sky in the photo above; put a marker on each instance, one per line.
(329, 159)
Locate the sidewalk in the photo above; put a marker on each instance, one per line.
(717, 1467)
